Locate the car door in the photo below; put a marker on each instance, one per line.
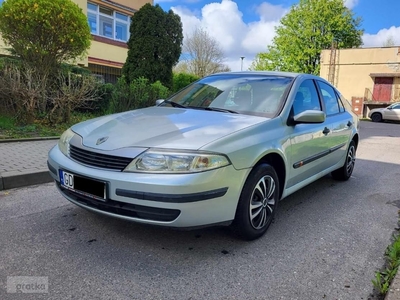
(309, 143)
(393, 113)
(340, 121)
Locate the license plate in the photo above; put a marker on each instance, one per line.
(67, 179)
(85, 186)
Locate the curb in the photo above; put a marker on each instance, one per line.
(29, 139)
(24, 179)
(394, 290)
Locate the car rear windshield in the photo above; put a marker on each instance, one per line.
(246, 94)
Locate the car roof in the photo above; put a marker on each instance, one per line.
(267, 73)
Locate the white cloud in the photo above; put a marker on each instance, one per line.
(350, 3)
(379, 39)
(224, 21)
(270, 12)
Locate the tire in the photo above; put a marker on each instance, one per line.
(376, 117)
(257, 203)
(344, 173)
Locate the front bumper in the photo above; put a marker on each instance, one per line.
(174, 200)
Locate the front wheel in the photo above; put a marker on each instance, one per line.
(376, 117)
(257, 203)
(344, 173)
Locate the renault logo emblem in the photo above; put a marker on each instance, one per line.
(101, 140)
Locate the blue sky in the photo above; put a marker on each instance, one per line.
(246, 27)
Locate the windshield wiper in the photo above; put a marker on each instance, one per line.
(174, 104)
(210, 108)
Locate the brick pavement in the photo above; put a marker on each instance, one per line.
(24, 163)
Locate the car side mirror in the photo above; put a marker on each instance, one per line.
(159, 101)
(390, 108)
(310, 117)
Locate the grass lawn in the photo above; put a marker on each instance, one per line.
(10, 129)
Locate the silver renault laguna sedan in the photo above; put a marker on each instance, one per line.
(224, 150)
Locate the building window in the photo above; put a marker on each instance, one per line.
(108, 23)
(105, 74)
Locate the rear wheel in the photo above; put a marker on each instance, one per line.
(376, 117)
(344, 173)
(257, 203)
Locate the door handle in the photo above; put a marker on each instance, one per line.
(326, 130)
(349, 124)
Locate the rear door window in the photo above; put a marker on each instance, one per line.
(330, 99)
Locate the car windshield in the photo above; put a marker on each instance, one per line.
(393, 105)
(246, 94)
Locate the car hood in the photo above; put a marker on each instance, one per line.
(378, 109)
(161, 127)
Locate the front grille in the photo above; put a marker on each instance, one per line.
(99, 160)
(125, 209)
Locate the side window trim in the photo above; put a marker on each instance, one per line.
(341, 104)
(321, 103)
(321, 99)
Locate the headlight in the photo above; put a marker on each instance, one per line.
(63, 143)
(166, 161)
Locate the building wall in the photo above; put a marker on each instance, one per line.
(353, 68)
(83, 61)
(3, 46)
(136, 4)
(105, 51)
(396, 89)
(109, 54)
(102, 50)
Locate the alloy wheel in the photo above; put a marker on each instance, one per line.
(376, 117)
(262, 202)
(351, 159)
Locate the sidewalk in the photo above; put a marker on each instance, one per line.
(24, 163)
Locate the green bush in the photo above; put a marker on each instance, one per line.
(68, 68)
(105, 97)
(182, 80)
(101, 106)
(22, 92)
(158, 91)
(44, 33)
(138, 94)
(27, 95)
(70, 92)
(9, 60)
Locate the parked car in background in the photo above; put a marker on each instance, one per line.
(224, 150)
(392, 112)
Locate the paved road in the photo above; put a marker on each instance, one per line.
(326, 242)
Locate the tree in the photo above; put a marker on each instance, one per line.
(389, 42)
(155, 45)
(308, 28)
(181, 67)
(182, 80)
(44, 33)
(204, 53)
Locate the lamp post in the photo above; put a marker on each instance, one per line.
(241, 67)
